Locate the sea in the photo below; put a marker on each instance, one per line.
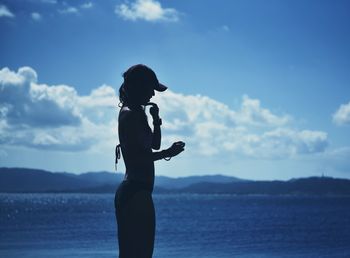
(188, 226)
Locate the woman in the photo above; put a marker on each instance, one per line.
(133, 200)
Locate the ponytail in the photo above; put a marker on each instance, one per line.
(122, 94)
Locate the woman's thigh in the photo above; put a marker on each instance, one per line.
(136, 225)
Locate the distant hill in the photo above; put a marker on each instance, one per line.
(34, 180)
(302, 186)
(181, 182)
(102, 177)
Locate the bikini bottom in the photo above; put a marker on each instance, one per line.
(127, 189)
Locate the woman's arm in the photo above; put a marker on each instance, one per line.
(174, 150)
(134, 144)
(157, 135)
(157, 122)
(157, 155)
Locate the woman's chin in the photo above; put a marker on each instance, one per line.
(146, 102)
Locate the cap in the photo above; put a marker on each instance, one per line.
(142, 74)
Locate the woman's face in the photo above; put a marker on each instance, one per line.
(149, 94)
(143, 97)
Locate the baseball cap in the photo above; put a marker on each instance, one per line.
(141, 74)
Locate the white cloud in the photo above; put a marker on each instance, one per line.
(335, 161)
(69, 10)
(202, 108)
(5, 12)
(49, 1)
(148, 10)
(289, 142)
(342, 115)
(50, 117)
(3, 154)
(9, 77)
(211, 127)
(252, 113)
(210, 138)
(25, 103)
(56, 117)
(225, 28)
(75, 10)
(87, 5)
(36, 16)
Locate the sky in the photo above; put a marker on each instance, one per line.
(257, 89)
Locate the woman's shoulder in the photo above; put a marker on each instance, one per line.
(127, 115)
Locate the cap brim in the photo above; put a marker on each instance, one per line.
(160, 87)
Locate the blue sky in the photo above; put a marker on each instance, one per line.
(258, 89)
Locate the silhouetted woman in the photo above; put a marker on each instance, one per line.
(133, 200)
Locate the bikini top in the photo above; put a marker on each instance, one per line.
(135, 118)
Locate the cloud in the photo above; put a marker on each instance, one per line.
(75, 10)
(342, 115)
(335, 161)
(36, 16)
(3, 154)
(5, 12)
(26, 103)
(210, 127)
(148, 10)
(42, 116)
(56, 117)
(49, 1)
(288, 142)
(210, 138)
(87, 5)
(199, 108)
(252, 113)
(69, 10)
(225, 28)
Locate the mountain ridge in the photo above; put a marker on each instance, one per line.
(15, 180)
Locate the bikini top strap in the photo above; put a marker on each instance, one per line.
(117, 155)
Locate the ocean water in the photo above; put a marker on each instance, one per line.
(206, 226)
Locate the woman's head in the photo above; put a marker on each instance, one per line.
(139, 84)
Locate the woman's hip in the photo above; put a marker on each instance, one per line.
(130, 191)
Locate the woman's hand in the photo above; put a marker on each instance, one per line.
(154, 111)
(175, 149)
